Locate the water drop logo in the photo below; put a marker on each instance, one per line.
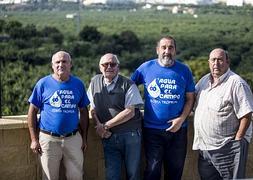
(55, 100)
(153, 89)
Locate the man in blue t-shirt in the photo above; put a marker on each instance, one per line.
(59, 134)
(169, 96)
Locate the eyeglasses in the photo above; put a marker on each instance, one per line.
(219, 60)
(106, 65)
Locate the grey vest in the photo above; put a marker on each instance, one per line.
(109, 104)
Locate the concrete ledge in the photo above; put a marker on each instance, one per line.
(11, 123)
(17, 162)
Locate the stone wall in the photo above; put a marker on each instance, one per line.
(17, 162)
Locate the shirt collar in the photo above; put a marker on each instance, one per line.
(113, 81)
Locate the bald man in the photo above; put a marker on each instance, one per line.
(115, 102)
(222, 120)
(59, 134)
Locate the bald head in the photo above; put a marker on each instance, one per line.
(218, 62)
(220, 51)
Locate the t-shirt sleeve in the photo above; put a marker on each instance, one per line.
(90, 96)
(190, 86)
(36, 96)
(137, 77)
(133, 97)
(84, 99)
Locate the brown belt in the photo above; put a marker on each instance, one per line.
(59, 135)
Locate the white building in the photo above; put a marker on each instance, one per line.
(13, 1)
(170, 1)
(248, 2)
(220, 1)
(234, 3)
(89, 2)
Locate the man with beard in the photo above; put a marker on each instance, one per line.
(169, 97)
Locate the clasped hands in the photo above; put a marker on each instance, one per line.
(101, 131)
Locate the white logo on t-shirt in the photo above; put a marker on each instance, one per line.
(55, 100)
(164, 90)
(153, 89)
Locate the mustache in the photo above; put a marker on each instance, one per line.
(167, 55)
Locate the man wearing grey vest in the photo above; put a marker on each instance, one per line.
(115, 102)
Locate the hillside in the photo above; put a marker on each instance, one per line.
(29, 38)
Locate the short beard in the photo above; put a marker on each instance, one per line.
(166, 61)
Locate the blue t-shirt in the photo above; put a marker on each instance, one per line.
(58, 103)
(164, 91)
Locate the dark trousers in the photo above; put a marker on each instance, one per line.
(228, 162)
(164, 148)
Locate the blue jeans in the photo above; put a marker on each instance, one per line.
(123, 147)
(164, 148)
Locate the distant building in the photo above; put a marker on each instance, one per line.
(145, 2)
(71, 16)
(73, 1)
(219, 1)
(175, 10)
(167, 2)
(13, 1)
(89, 2)
(250, 2)
(147, 6)
(234, 3)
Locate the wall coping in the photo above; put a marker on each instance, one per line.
(20, 121)
(13, 122)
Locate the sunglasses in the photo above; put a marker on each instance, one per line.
(106, 65)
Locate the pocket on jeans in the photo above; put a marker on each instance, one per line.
(139, 132)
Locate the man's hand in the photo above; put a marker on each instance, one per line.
(35, 147)
(84, 145)
(102, 132)
(176, 124)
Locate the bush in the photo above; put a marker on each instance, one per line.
(90, 34)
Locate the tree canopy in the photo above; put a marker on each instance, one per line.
(28, 40)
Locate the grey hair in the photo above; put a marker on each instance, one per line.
(113, 56)
(61, 53)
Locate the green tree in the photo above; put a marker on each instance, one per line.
(199, 67)
(12, 25)
(129, 41)
(2, 25)
(90, 34)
